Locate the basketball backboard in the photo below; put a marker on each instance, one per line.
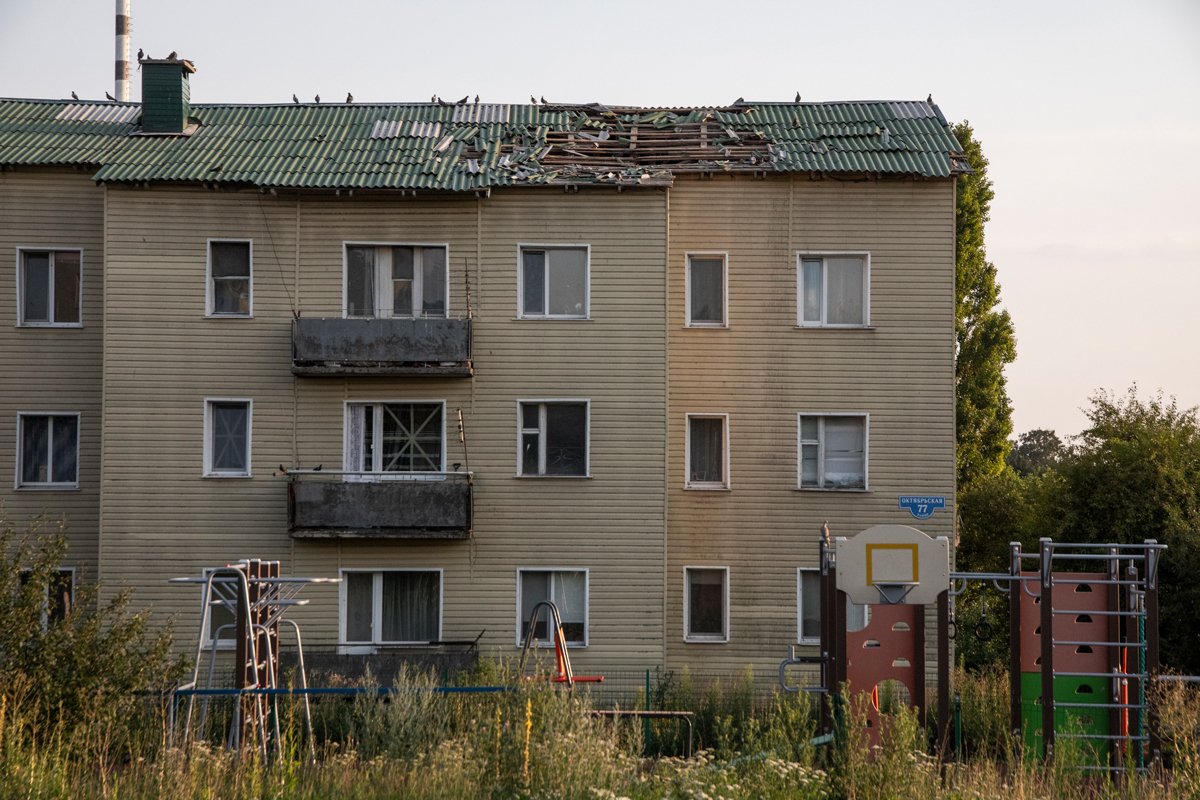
(893, 564)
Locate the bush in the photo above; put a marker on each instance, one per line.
(88, 661)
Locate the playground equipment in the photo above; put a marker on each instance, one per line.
(898, 571)
(1084, 644)
(254, 595)
(563, 673)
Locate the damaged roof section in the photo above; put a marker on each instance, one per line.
(468, 147)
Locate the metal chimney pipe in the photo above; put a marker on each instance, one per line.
(124, 28)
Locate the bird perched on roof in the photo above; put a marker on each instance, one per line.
(739, 101)
(476, 99)
(433, 98)
(463, 102)
(797, 97)
(173, 56)
(543, 99)
(74, 96)
(141, 54)
(294, 98)
(533, 99)
(929, 99)
(317, 99)
(110, 97)
(349, 97)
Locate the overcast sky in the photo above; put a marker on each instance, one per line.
(1089, 113)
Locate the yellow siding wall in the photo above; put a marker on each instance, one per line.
(162, 357)
(762, 370)
(53, 369)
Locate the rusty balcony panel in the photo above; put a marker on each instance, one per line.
(431, 507)
(382, 346)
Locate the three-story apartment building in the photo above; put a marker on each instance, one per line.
(469, 357)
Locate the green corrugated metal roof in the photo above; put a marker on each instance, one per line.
(468, 147)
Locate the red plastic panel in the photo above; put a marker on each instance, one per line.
(1079, 627)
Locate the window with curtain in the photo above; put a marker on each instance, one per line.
(706, 291)
(833, 451)
(396, 281)
(706, 453)
(392, 607)
(229, 273)
(809, 611)
(227, 448)
(568, 590)
(395, 437)
(833, 291)
(48, 450)
(554, 282)
(706, 600)
(554, 438)
(51, 288)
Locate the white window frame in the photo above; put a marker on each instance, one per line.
(587, 281)
(49, 486)
(800, 637)
(46, 596)
(366, 648)
(350, 407)
(209, 286)
(227, 643)
(687, 279)
(20, 279)
(687, 607)
(706, 486)
(385, 310)
(587, 606)
(823, 254)
(587, 436)
(866, 418)
(208, 454)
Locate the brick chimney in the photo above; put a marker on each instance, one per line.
(165, 94)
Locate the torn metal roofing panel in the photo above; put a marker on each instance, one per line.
(466, 147)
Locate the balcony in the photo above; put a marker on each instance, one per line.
(351, 506)
(383, 346)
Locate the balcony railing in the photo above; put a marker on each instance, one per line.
(332, 505)
(382, 346)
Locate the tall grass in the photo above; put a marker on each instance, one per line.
(539, 741)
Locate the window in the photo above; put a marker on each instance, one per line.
(707, 453)
(396, 280)
(59, 594)
(230, 285)
(833, 290)
(50, 288)
(567, 589)
(227, 438)
(554, 282)
(395, 437)
(833, 451)
(706, 604)
(808, 611)
(48, 451)
(553, 438)
(706, 280)
(221, 618)
(391, 607)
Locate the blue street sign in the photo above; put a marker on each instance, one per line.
(922, 506)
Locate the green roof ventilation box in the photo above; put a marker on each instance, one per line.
(166, 97)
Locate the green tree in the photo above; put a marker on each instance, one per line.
(1036, 451)
(1136, 476)
(984, 335)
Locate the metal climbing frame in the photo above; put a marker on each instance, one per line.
(257, 598)
(1087, 680)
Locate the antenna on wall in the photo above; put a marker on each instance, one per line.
(124, 28)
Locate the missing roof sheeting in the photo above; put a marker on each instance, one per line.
(99, 112)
